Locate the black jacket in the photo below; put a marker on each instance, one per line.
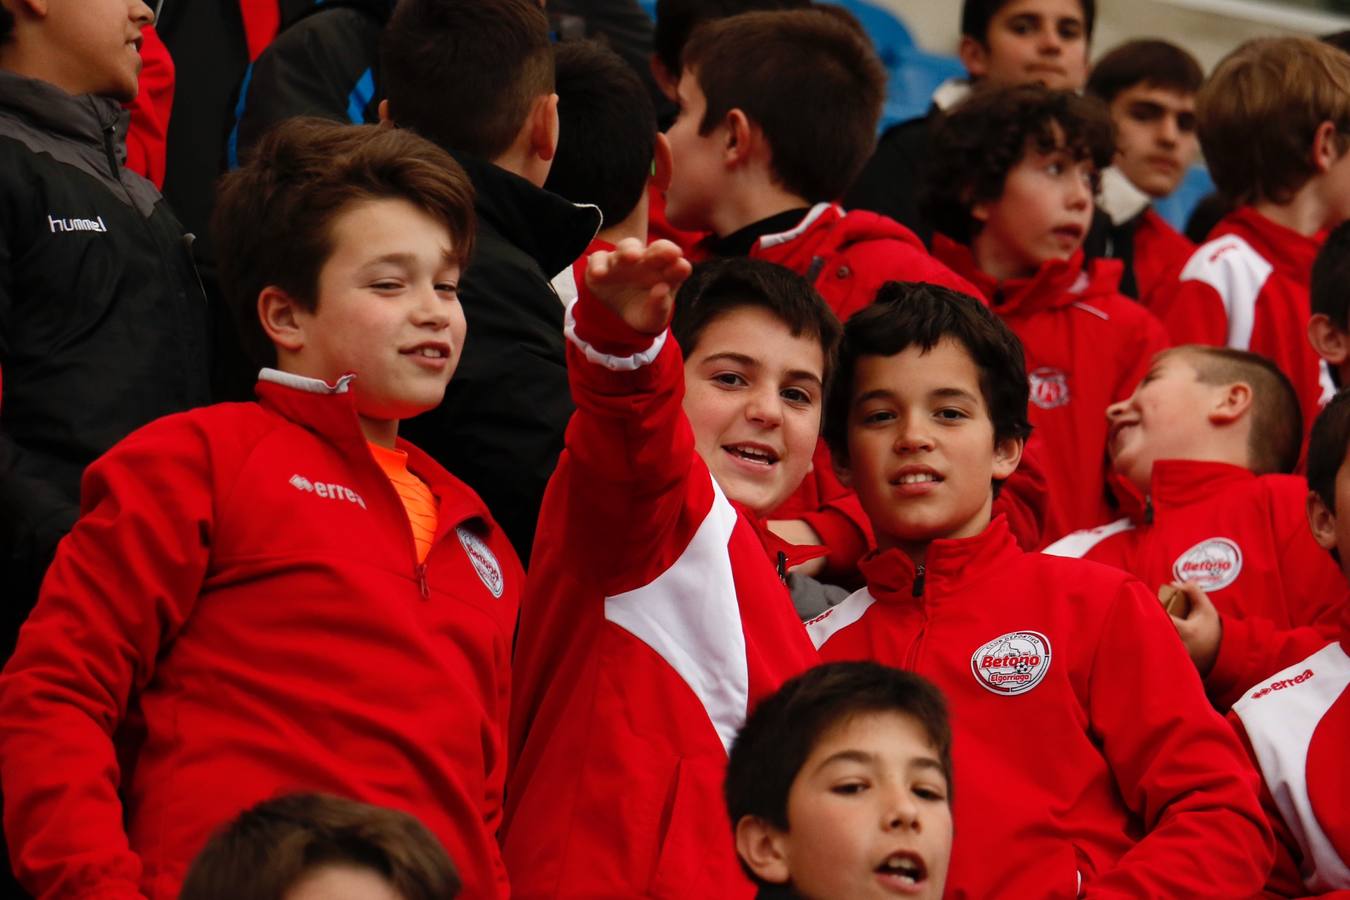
(892, 181)
(500, 428)
(102, 319)
(325, 64)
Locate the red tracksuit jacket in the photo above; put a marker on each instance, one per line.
(1296, 726)
(653, 618)
(1160, 252)
(240, 613)
(1247, 288)
(1087, 759)
(1244, 538)
(1086, 347)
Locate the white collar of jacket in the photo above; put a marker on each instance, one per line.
(1119, 198)
(951, 92)
(308, 385)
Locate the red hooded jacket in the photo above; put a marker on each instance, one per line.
(1087, 760)
(1086, 347)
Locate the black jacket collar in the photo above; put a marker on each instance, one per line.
(85, 117)
(553, 231)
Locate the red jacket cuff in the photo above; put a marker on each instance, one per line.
(1227, 681)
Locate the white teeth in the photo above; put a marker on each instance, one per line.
(433, 352)
(918, 478)
(753, 453)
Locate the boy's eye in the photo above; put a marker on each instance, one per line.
(877, 416)
(386, 285)
(927, 792)
(730, 379)
(1186, 122)
(1070, 29)
(949, 414)
(796, 395)
(447, 287)
(849, 788)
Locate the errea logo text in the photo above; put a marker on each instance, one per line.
(1283, 683)
(326, 490)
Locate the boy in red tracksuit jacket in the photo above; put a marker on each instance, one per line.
(1012, 181)
(279, 596)
(654, 617)
(1271, 117)
(771, 196)
(1204, 439)
(1088, 759)
(1295, 723)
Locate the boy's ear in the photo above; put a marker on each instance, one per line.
(1322, 521)
(663, 162)
(278, 312)
(974, 56)
(1326, 146)
(761, 847)
(544, 127)
(1232, 404)
(740, 137)
(383, 109)
(1007, 456)
(1330, 342)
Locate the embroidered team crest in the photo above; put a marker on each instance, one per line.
(1012, 663)
(1049, 387)
(1213, 564)
(484, 561)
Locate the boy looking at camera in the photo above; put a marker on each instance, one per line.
(1039, 658)
(1294, 722)
(839, 786)
(1013, 181)
(1149, 87)
(655, 614)
(207, 629)
(1204, 445)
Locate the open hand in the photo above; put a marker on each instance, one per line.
(1200, 629)
(638, 283)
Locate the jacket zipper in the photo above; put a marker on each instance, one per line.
(918, 582)
(109, 133)
(422, 581)
(912, 658)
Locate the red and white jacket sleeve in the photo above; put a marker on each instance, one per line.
(1177, 763)
(122, 585)
(629, 448)
(1253, 648)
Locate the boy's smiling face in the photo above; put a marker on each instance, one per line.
(1043, 213)
(101, 40)
(922, 454)
(387, 309)
(868, 813)
(753, 394)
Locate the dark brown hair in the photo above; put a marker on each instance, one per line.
(906, 315)
(677, 19)
(1158, 64)
(809, 78)
(1277, 424)
(1260, 109)
(464, 73)
(1331, 278)
(607, 131)
(1327, 448)
(268, 849)
(274, 216)
(720, 286)
(783, 729)
(977, 14)
(983, 138)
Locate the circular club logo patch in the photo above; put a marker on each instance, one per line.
(1212, 564)
(1049, 387)
(1013, 663)
(483, 559)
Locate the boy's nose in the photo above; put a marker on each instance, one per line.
(1049, 41)
(764, 407)
(913, 436)
(1116, 410)
(902, 810)
(141, 14)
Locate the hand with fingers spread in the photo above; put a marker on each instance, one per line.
(1200, 629)
(638, 283)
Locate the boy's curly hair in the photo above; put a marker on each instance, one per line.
(983, 138)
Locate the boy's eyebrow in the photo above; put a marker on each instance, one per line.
(751, 362)
(408, 260)
(857, 756)
(948, 393)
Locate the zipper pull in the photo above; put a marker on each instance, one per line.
(918, 582)
(422, 581)
(781, 566)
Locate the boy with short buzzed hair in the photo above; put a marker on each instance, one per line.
(840, 784)
(279, 596)
(1011, 196)
(1273, 118)
(656, 613)
(1003, 43)
(1081, 733)
(1205, 443)
(476, 77)
(1294, 722)
(1149, 87)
